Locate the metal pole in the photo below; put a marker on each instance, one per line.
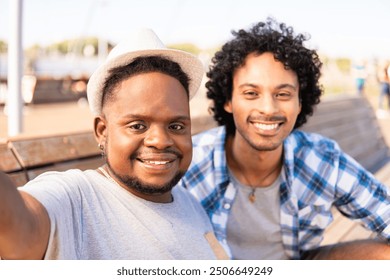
(15, 69)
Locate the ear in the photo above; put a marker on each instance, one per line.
(228, 106)
(100, 129)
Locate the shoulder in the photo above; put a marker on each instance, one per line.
(57, 185)
(311, 151)
(301, 141)
(190, 204)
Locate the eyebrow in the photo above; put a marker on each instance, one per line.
(281, 86)
(174, 118)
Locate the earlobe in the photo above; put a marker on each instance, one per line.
(228, 106)
(100, 129)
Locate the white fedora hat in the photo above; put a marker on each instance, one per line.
(143, 42)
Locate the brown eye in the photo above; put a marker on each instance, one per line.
(176, 127)
(283, 95)
(137, 126)
(251, 94)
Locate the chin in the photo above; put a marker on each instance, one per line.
(150, 186)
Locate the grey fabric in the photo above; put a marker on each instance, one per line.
(93, 218)
(253, 229)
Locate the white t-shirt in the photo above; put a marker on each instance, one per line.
(93, 218)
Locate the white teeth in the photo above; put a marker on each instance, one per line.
(156, 162)
(263, 126)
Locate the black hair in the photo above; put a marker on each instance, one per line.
(288, 48)
(143, 64)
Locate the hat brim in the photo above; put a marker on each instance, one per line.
(191, 65)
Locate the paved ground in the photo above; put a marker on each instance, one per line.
(49, 119)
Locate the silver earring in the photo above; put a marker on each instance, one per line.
(101, 147)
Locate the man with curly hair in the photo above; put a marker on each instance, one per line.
(268, 187)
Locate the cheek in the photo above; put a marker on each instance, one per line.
(185, 146)
(120, 148)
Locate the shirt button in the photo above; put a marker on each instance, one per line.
(226, 206)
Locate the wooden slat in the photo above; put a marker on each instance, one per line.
(84, 144)
(41, 151)
(8, 161)
(343, 229)
(82, 164)
(51, 90)
(351, 122)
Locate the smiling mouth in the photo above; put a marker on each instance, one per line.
(267, 127)
(156, 162)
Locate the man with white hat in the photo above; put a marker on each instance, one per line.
(128, 208)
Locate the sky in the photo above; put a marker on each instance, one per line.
(338, 28)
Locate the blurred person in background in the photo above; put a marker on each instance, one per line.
(360, 74)
(383, 75)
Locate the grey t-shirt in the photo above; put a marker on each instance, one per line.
(93, 218)
(253, 229)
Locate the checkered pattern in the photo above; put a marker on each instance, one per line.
(318, 175)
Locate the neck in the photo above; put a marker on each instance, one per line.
(252, 167)
(165, 197)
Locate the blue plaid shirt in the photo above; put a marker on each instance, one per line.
(318, 176)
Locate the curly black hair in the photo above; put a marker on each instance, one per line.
(288, 48)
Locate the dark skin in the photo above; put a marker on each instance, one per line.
(152, 147)
(144, 139)
(24, 223)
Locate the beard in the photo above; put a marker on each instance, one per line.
(264, 145)
(257, 142)
(138, 185)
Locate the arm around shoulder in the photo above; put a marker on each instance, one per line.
(24, 223)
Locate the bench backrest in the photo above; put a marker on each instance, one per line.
(26, 158)
(351, 121)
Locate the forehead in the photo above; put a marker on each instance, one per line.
(263, 67)
(151, 93)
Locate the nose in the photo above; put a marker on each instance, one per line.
(158, 137)
(267, 104)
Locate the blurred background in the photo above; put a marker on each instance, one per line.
(63, 41)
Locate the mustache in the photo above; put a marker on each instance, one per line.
(267, 119)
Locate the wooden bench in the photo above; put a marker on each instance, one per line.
(351, 121)
(25, 158)
(50, 90)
